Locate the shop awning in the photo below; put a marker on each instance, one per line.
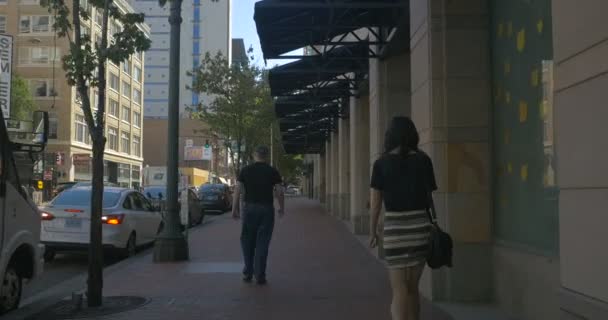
(288, 25)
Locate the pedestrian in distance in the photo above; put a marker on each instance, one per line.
(259, 184)
(403, 180)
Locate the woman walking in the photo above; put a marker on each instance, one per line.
(403, 179)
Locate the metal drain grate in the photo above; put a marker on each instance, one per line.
(66, 309)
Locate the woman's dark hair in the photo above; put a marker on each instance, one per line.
(401, 133)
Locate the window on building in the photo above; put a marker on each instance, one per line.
(113, 138)
(137, 119)
(114, 82)
(139, 55)
(113, 108)
(136, 96)
(2, 23)
(126, 89)
(85, 32)
(114, 28)
(137, 73)
(126, 67)
(136, 146)
(81, 130)
(135, 172)
(77, 97)
(35, 24)
(125, 143)
(53, 126)
(38, 55)
(86, 6)
(42, 88)
(124, 171)
(126, 114)
(99, 17)
(95, 100)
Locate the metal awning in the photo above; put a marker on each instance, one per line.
(288, 25)
(338, 38)
(320, 71)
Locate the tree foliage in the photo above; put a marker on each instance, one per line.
(22, 102)
(240, 106)
(85, 67)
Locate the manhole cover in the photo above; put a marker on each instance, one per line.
(67, 310)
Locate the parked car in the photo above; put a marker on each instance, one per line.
(292, 191)
(157, 195)
(215, 197)
(129, 220)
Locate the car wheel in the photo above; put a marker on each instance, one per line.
(10, 290)
(49, 255)
(131, 249)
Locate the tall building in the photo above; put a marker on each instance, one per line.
(37, 58)
(206, 27)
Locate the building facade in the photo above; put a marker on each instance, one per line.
(206, 27)
(38, 52)
(509, 100)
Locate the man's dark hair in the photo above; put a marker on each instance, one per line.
(263, 152)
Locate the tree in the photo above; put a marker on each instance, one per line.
(240, 111)
(291, 167)
(85, 67)
(22, 103)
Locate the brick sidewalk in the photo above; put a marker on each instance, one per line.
(317, 270)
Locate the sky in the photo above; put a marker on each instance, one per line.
(243, 26)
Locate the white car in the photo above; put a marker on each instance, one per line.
(129, 221)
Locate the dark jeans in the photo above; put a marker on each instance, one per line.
(258, 224)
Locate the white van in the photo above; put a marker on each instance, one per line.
(21, 252)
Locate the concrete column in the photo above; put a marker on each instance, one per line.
(450, 82)
(344, 169)
(580, 31)
(359, 164)
(335, 172)
(322, 177)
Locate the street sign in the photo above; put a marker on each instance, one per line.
(6, 71)
(193, 153)
(189, 143)
(207, 153)
(81, 159)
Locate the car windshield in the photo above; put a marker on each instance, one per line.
(82, 197)
(210, 188)
(153, 192)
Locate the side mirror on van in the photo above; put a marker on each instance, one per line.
(30, 135)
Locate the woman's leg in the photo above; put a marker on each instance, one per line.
(398, 283)
(412, 280)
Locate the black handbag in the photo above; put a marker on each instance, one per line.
(440, 244)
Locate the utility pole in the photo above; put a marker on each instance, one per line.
(171, 244)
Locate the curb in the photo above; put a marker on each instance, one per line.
(77, 284)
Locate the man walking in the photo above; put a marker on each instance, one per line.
(260, 183)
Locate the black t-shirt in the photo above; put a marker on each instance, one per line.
(259, 180)
(404, 181)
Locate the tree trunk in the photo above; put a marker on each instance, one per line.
(95, 281)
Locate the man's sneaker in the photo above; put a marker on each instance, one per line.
(247, 278)
(261, 281)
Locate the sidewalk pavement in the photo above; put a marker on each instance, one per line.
(317, 270)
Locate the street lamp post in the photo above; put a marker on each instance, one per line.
(171, 244)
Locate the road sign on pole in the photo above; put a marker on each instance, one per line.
(207, 153)
(6, 72)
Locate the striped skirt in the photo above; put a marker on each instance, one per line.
(406, 238)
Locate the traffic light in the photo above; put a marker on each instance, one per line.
(207, 144)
